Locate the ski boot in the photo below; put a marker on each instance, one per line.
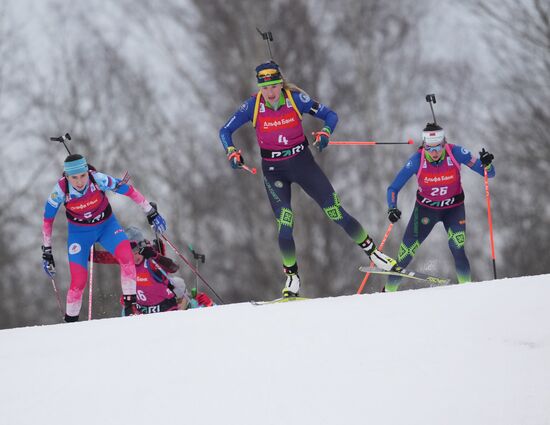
(292, 284)
(380, 260)
(130, 308)
(70, 319)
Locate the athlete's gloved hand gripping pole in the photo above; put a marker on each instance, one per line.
(322, 138)
(394, 214)
(236, 160)
(156, 221)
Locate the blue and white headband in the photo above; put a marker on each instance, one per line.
(78, 166)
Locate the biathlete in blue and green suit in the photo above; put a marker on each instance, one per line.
(276, 113)
(440, 197)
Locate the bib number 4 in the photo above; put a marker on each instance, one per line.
(283, 139)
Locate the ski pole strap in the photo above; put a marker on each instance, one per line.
(234, 154)
(318, 135)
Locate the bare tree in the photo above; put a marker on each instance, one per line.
(517, 34)
(17, 294)
(145, 86)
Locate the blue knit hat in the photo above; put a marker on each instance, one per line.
(268, 73)
(75, 164)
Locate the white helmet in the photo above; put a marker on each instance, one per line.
(134, 234)
(433, 135)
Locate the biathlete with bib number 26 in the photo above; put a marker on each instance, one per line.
(440, 197)
(91, 219)
(276, 113)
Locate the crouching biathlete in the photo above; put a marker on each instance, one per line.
(91, 219)
(156, 290)
(276, 113)
(440, 197)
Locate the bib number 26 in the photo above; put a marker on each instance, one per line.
(439, 191)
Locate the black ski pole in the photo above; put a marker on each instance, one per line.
(57, 297)
(191, 267)
(430, 98)
(198, 257)
(62, 139)
(268, 37)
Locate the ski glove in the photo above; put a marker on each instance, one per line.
(394, 214)
(147, 252)
(47, 261)
(204, 300)
(234, 157)
(156, 221)
(486, 158)
(322, 138)
(199, 300)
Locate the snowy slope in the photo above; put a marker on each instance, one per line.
(469, 354)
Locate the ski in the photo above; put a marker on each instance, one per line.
(278, 300)
(409, 274)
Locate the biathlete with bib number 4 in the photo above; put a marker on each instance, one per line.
(440, 197)
(90, 219)
(276, 113)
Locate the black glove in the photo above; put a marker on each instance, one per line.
(159, 246)
(394, 214)
(147, 252)
(48, 262)
(486, 158)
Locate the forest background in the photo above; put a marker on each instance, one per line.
(145, 86)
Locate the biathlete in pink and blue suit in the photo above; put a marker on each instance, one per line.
(91, 219)
(276, 113)
(440, 197)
